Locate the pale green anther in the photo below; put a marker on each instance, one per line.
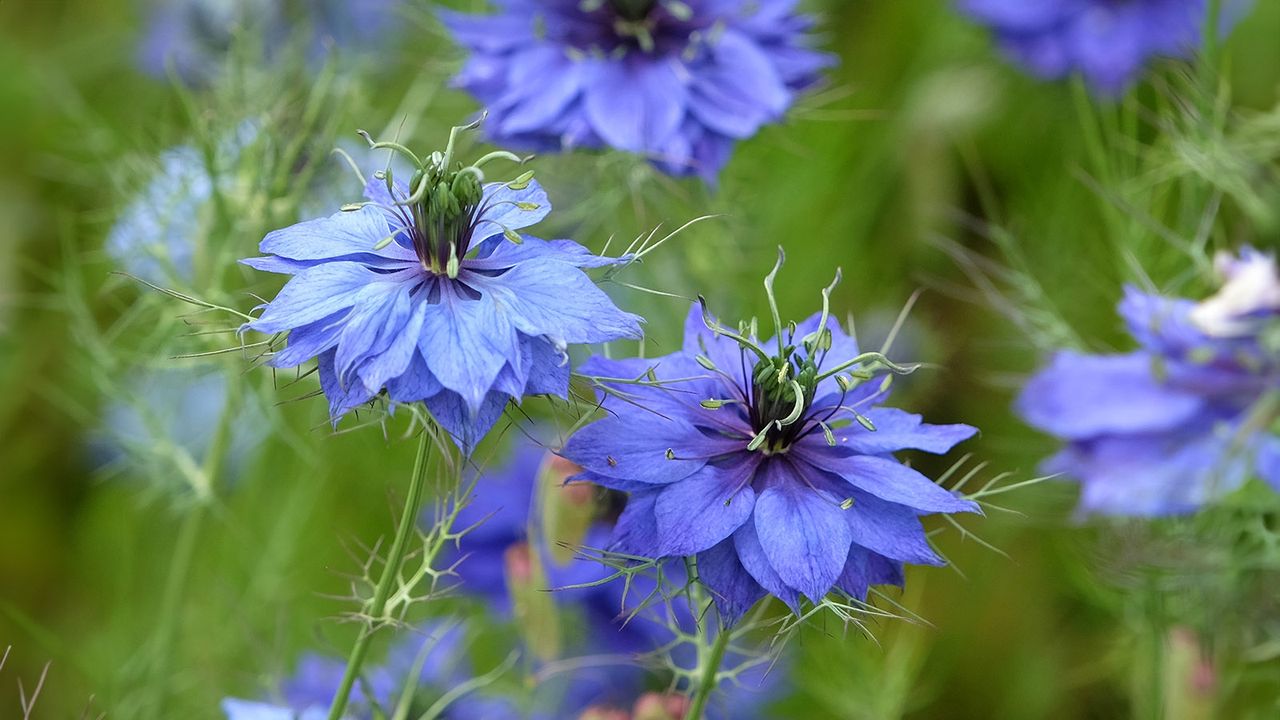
(759, 439)
(826, 433)
(451, 269)
(845, 383)
(712, 404)
(512, 235)
(651, 375)
(522, 180)
(846, 503)
(705, 362)
(671, 454)
(886, 382)
(865, 421)
(798, 409)
(352, 207)
(528, 206)
(384, 242)
(1201, 355)
(678, 10)
(783, 372)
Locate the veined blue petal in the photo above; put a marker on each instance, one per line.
(885, 478)
(746, 541)
(466, 342)
(314, 294)
(704, 508)
(803, 532)
(889, 529)
(533, 295)
(897, 430)
(341, 235)
(734, 590)
(508, 209)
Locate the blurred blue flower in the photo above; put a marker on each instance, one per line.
(164, 421)
(308, 692)
(762, 469)
(1182, 420)
(159, 234)
(194, 36)
(434, 297)
(678, 81)
(1106, 41)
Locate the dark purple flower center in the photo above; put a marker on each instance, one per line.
(440, 217)
(778, 396)
(632, 10)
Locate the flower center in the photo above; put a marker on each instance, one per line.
(782, 391)
(445, 206)
(632, 10)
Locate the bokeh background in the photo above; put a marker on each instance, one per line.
(928, 163)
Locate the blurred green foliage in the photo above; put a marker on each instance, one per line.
(927, 163)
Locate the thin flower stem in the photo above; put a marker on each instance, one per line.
(710, 666)
(390, 572)
(184, 549)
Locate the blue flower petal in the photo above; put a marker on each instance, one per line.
(704, 508)
(898, 430)
(660, 452)
(803, 532)
(532, 295)
(1080, 396)
(746, 541)
(888, 529)
(316, 293)
(885, 478)
(734, 590)
(349, 235)
(466, 341)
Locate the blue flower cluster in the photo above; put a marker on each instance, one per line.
(776, 472)
(677, 81)
(1106, 41)
(1185, 418)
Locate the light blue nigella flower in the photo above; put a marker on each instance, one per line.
(194, 36)
(158, 235)
(1106, 41)
(429, 293)
(678, 81)
(166, 420)
(761, 466)
(1182, 420)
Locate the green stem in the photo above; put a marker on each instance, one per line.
(184, 550)
(710, 671)
(390, 572)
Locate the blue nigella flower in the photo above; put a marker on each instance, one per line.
(1106, 41)
(194, 36)
(765, 467)
(508, 525)
(429, 293)
(1182, 420)
(158, 235)
(679, 81)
